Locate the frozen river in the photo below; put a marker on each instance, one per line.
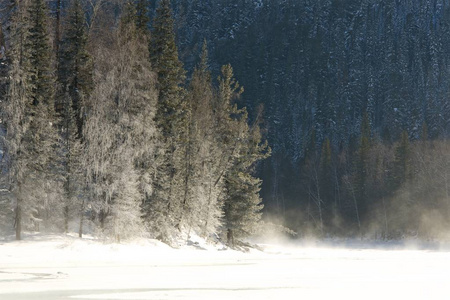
(66, 268)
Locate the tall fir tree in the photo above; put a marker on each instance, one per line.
(16, 117)
(75, 85)
(40, 54)
(171, 75)
(241, 201)
(361, 168)
(71, 155)
(172, 117)
(75, 63)
(31, 137)
(402, 169)
(44, 121)
(142, 17)
(326, 181)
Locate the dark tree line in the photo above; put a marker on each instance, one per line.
(320, 67)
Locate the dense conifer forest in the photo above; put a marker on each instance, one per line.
(154, 118)
(103, 133)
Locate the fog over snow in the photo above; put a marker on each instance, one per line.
(65, 267)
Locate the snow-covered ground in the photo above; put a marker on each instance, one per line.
(64, 267)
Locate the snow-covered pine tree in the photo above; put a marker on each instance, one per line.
(165, 207)
(71, 153)
(201, 209)
(75, 85)
(242, 203)
(16, 117)
(31, 137)
(43, 123)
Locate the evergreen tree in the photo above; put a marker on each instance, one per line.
(29, 117)
(142, 17)
(402, 169)
(326, 181)
(361, 169)
(71, 152)
(136, 12)
(242, 204)
(43, 122)
(75, 63)
(40, 54)
(311, 182)
(171, 75)
(172, 117)
(75, 84)
(16, 115)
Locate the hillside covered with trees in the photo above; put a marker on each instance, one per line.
(126, 117)
(356, 107)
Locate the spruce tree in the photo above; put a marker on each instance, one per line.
(71, 152)
(241, 203)
(326, 179)
(16, 117)
(142, 17)
(171, 75)
(172, 117)
(310, 173)
(361, 168)
(43, 123)
(28, 110)
(75, 85)
(402, 169)
(40, 53)
(75, 63)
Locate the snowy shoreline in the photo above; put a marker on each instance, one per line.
(64, 267)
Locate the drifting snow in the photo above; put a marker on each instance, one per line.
(64, 267)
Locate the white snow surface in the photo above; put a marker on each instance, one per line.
(65, 267)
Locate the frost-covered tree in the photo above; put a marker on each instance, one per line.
(120, 134)
(75, 85)
(241, 201)
(16, 116)
(43, 122)
(31, 138)
(71, 150)
(165, 207)
(202, 209)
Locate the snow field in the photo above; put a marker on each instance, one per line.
(57, 267)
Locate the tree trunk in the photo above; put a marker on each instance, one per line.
(18, 220)
(386, 227)
(80, 230)
(66, 219)
(102, 216)
(230, 238)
